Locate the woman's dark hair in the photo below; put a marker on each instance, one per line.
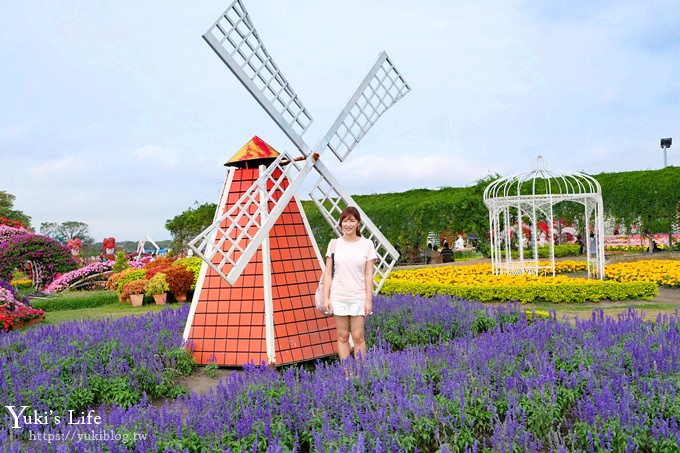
(350, 211)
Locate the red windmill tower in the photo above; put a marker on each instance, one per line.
(229, 323)
(254, 299)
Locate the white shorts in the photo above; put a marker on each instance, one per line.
(349, 308)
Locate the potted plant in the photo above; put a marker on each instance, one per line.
(156, 266)
(158, 288)
(135, 291)
(126, 276)
(179, 281)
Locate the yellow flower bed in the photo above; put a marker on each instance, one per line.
(480, 274)
(478, 283)
(22, 284)
(661, 272)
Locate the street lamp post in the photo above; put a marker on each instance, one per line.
(665, 144)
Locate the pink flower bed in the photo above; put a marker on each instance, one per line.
(637, 240)
(63, 282)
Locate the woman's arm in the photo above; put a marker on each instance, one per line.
(368, 276)
(327, 282)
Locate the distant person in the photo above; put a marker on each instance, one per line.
(592, 244)
(459, 244)
(428, 253)
(655, 247)
(436, 255)
(447, 253)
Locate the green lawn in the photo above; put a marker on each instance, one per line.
(80, 305)
(115, 310)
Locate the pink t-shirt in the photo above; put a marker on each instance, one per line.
(349, 281)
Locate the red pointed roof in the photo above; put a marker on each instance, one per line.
(255, 149)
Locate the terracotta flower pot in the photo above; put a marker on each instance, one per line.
(160, 298)
(137, 300)
(180, 297)
(30, 322)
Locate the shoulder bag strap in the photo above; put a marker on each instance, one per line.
(332, 249)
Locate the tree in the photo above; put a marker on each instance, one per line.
(67, 230)
(189, 224)
(7, 209)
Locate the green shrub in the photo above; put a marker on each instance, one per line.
(133, 287)
(544, 251)
(179, 279)
(121, 263)
(129, 275)
(193, 264)
(483, 322)
(562, 293)
(466, 255)
(157, 285)
(73, 300)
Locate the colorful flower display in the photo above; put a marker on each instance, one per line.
(12, 223)
(7, 232)
(193, 264)
(23, 283)
(476, 282)
(48, 255)
(90, 271)
(637, 243)
(14, 309)
(661, 272)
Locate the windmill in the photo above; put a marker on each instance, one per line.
(239, 237)
(142, 243)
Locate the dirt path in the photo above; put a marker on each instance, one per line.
(200, 383)
(668, 296)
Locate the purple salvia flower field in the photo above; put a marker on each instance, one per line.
(441, 375)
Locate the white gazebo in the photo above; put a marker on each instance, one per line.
(521, 201)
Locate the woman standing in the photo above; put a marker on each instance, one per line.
(348, 292)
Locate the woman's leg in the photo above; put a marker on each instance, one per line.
(358, 336)
(342, 326)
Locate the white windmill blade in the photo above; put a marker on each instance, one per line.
(231, 241)
(235, 40)
(380, 90)
(330, 198)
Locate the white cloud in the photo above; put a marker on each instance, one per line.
(14, 131)
(157, 154)
(376, 173)
(58, 169)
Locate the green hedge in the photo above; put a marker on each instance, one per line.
(562, 293)
(544, 251)
(73, 300)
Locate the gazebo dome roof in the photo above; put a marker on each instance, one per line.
(541, 182)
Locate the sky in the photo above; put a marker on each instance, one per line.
(116, 113)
